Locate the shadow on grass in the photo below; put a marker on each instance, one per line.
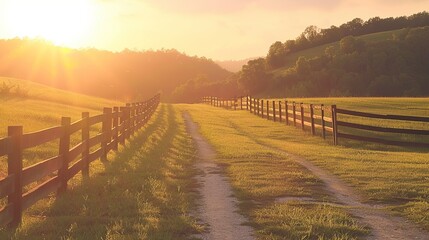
(140, 194)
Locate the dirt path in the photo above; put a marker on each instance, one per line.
(218, 206)
(383, 225)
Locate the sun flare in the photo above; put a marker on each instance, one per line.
(61, 22)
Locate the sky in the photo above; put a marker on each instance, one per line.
(216, 29)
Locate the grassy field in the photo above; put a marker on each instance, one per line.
(396, 179)
(261, 176)
(38, 107)
(143, 192)
(319, 50)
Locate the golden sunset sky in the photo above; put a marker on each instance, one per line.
(217, 29)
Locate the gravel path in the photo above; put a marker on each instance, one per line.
(218, 206)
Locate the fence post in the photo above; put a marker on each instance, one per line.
(85, 141)
(334, 124)
(280, 111)
(313, 132)
(255, 107)
(302, 116)
(322, 113)
(115, 126)
(294, 113)
(105, 131)
(247, 103)
(64, 153)
(132, 118)
(268, 110)
(287, 112)
(122, 120)
(241, 103)
(262, 108)
(127, 123)
(274, 111)
(14, 161)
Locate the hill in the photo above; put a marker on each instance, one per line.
(36, 106)
(118, 75)
(392, 63)
(291, 59)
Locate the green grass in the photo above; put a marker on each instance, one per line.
(143, 192)
(260, 175)
(397, 179)
(319, 50)
(42, 107)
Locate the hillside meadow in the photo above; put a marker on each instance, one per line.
(36, 107)
(291, 59)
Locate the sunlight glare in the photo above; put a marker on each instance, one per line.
(61, 22)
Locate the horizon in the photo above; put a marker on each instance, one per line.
(220, 31)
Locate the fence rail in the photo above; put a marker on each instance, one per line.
(323, 118)
(117, 126)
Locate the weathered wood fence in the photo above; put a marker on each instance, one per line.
(117, 126)
(322, 120)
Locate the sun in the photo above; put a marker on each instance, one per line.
(63, 22)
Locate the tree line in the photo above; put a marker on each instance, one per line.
(126, 75)
(314, 36)
(394, 67)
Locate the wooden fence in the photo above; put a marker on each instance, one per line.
(323, 120)
(117, 126)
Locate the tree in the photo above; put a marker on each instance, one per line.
(350, 44)
(276, 54)
(253, 76)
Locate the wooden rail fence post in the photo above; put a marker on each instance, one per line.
(64, 153)
(14, 161)
(241, 103)
(105, 131)
(294, 113)
(313, 131)
(287, 112)
(268, 110)
(249, 104)
(122, 120)
(255, 107)
(127, 123)
(85, 142)
(302, 116)
(280, 111)
(262, 108)
(322, 113)
(334, 124)
(274, 111)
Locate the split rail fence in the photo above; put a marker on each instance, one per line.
(324, 120)
(117, 126)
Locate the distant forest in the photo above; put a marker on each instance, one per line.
(126, 75)
(398, 66)
(314, 36)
